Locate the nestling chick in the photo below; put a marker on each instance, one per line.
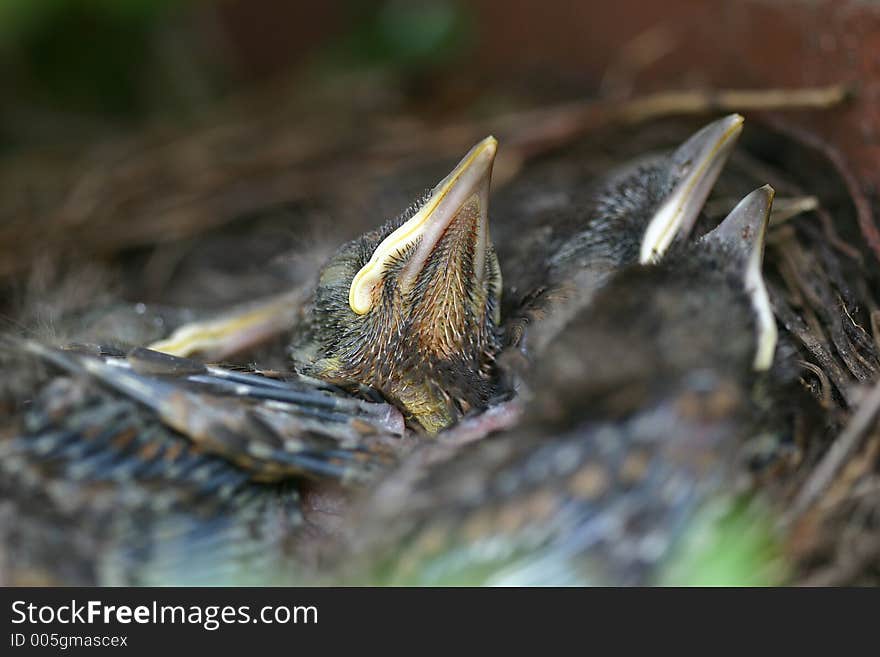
(557, 255)
(412, 309)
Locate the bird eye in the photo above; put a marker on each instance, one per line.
(685, 167)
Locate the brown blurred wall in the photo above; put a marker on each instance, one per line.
(755, 43)
(684, 43)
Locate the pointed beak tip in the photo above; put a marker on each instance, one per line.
(726, 130)
(476, 166)
(487, 148)
(733, 127)
(762, 199)
(732, 122)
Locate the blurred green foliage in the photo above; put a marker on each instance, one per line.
(729, 543)
(19, 16)
(80, 55)
(73, 65)
(408, 36)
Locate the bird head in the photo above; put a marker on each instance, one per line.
(636, 211)
(688, 176)
(411, 309)
(702, 308)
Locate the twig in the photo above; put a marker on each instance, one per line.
(729, 100)
(863, 552)
(841, 450)
(538, 130)
(833, 238)
(783, 208)
(815, 346)
(824, 382)
(787, 208)
(864, 213)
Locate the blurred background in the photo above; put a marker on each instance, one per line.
(131, 129)
(126, 125)
(71, 70)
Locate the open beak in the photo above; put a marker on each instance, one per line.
(743, 234)
(462, 195)
(699, 162)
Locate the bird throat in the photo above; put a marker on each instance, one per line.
(449, 298)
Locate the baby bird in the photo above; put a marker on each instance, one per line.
(640, 407)
(412, 309)
(557, 253)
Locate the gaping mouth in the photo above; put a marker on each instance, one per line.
(704, 155)
(466, 188)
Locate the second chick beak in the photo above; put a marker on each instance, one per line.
(463, 195)
(698, 163)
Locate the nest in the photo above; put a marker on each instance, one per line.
(138, 212)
